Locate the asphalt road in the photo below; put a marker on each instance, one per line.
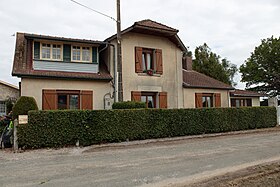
(156, 164)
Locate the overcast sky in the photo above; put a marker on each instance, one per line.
(231, 28)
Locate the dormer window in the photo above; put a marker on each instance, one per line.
(51, 51)
(81, 54)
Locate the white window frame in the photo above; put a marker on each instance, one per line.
(81, 53)
(51, 51)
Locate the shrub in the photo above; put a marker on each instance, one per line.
(23, 105)
(128, 105)
(10, 103)
(62, 128)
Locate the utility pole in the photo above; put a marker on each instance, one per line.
(119, 53)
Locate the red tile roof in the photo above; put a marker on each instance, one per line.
(150, 27)
(152, 24)
(194, 79)
(22, 66)
(245, 93)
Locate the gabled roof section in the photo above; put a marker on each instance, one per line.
(194, 79)
(22, 66)
(151, 27)
(9, 85)
(245, 93)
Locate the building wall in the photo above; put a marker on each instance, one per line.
(189, 96)
(171, 79)
(34, 87)
(6, 92)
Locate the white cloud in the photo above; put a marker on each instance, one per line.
(231, 28)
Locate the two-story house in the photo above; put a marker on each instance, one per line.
(61, 73)
(66, 73)
(152, 63)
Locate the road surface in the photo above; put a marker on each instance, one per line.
(168, 163)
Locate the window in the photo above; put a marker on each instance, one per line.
(152, 99)
(51, 51)
(82, 54)
(148, 61)
(149, 99)
(207, 100)
(67, 99)
(2, 108)
(56, 52)
(86, 54)
(46, 51)
(241, 102)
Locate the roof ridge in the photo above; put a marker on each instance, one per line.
(149, 20)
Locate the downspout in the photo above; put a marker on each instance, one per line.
(114, 67)
(115, 72)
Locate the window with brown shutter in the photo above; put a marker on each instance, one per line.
(67, 99)
(217, 99)
(241, 102)
(148, 61)
(162, 99)
(198, 100)
(138, 60)
(135, 96)
(159, 68)
(49, 100)
(86, 100)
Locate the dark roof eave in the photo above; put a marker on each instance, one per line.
(33, 36)
(22, 75)
(207, 87)
(246, 95)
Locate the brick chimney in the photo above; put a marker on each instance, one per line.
(187, 63)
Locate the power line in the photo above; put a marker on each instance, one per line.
(94, 10)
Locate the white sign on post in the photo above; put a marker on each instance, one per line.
(22, 119)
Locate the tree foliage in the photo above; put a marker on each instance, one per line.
(211, 64)
(262, 70)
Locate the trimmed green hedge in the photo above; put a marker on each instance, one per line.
(62, 128)
(128, 105)
(23, 105)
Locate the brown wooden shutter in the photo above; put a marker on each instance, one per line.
(138, 60)
(198, 100)
(135, 96)
(217, 99)
(49, 100)
(162, 99)
(86, 100)
(159, 67)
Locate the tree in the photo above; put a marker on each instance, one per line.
(211, 64)
(262, 70)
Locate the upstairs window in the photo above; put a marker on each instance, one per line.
(148, 61)
(50, 51)
(76, 53)
(81, 54)
(56, 52)
(46, 51)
